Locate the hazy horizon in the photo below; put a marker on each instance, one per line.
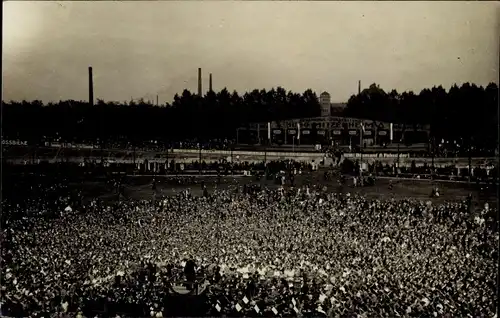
(142, 49)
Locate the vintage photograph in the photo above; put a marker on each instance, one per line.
(249, 159)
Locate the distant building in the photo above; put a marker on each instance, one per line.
(332, 129)
(325, 102)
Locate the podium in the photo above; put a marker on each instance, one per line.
(184, 302)
(199, 286)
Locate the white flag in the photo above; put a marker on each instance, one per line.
(298, 131)
(269, 130)
(257, 308)
(390, 133)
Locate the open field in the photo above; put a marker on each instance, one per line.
(139, 187)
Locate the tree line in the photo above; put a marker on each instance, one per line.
(465, 112)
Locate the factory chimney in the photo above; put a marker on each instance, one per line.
(210, 82)
(91, 87)
(199, 82)
(359, 87)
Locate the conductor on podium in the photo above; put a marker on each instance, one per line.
(190, 272)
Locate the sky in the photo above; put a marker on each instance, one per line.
(140, 49)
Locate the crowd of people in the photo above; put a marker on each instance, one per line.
(483, 173)
(170, 167)
(151, 145)
(260, 252)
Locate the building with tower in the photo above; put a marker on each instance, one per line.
(330, 129)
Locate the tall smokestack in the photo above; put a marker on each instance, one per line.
(199, 82)
(210, 82)
(359, 87)
(91, 87)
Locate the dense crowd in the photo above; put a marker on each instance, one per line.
(262, 253)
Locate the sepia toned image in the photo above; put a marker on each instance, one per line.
(249, 159)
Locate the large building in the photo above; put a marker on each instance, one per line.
(330, 129)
